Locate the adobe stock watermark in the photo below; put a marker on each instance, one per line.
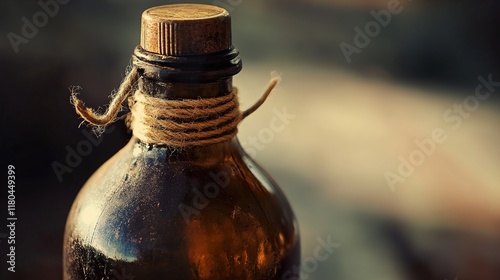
(201, 198)
(309, 265)
(30, 28)
(277, 123)
(454, 117)
(372, 29)
(74, 156)
(227, 4)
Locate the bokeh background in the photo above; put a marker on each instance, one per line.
(352, 123)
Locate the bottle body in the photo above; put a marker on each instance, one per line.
(153, 213)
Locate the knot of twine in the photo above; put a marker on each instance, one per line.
(176, 123)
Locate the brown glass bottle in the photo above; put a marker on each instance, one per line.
(207, 212)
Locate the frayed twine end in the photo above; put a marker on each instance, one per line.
(275, 80)
(100, 121)
(98, 130)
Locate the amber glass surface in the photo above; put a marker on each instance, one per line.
(151, 212)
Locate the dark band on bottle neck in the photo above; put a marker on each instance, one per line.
(187, 69)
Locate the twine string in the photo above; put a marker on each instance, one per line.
(152, 122)
(272, 84)
(96, 119)
(176, 123)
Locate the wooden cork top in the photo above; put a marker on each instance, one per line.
(186, 30)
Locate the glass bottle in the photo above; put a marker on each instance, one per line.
(206, 212)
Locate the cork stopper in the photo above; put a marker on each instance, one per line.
(186, 30)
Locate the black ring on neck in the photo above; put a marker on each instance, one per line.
(189, 69)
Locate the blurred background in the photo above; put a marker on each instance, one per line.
(363, 94)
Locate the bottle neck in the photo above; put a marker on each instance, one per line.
(174, 90)
(211, 131)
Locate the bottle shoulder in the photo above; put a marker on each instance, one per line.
(141, 175)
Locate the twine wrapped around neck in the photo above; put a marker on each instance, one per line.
(176, 123)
